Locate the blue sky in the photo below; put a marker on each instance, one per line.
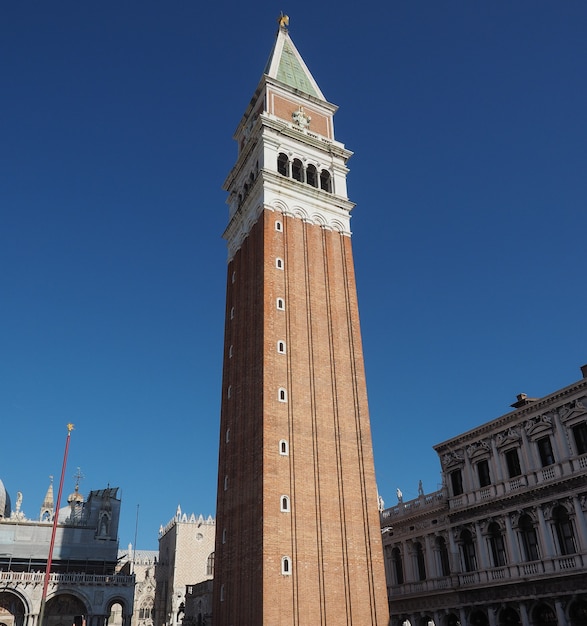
(468, 124)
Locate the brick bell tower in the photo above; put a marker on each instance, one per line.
(298, 538)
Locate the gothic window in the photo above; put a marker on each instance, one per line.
(513, 463)
(325, 181)
(497, 545)
(286, 566)
(281, 347)
(278, 225)
(545, 451)
(443, 555)
(398, 568)
(283, 448)
(279, 263)
(312, 176)
(420, 561)
(456, 481)
(281, 304)
(210, 565)
(297, 170)
(528, 538)
(483, 473)
(468, 551)
(284, 508)
(564, 531)
(282, 164)
(282, 395)
(580, 436)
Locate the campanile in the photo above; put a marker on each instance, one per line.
(298, 540)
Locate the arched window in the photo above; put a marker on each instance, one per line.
(210, 565)
(280, 304)
(398, 568)
(312, 175)
(283, 448)
(325, 181)
(282, 164)
(456, 482)
(497, 545)
(282, 395)
(281, 347)
(279, 263)
(443, 556)
(468, 551)
(297, 170)
(528, 537)
(284, 506)
(286, 566)
(278, 225)
(564, 530)
(420, 561)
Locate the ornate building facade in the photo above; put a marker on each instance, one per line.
(186, 558)
(298, 538)
(504, 542)
(83, 587)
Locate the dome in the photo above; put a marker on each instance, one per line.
(4, 502)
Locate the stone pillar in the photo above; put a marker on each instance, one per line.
(492, 615)
(514, 550)
(546, 535)
(581, 525)
(455, 555)
(524, 615)
(561, 618)
(463, 617)
(482, 549)
(408, 559)
(431, 570)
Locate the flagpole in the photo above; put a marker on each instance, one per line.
(54, 530)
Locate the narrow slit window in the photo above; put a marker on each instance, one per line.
(227, 437)
(226, 483)
(279, 263)
(221, 593)
(282, 395)
(233, 277)
(278, 226)
(224, 535)
(281, 347)
(232, 313)
(284, 504)
(281, 304)
(230, 350)
(286, 566)
(229, 391)
(283, 448)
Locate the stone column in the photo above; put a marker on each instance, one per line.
(514, 550)
(482, 549)
(463, 617)
(561, 618)
(581, 525)
(431, 571)
(546, 535)
(491, 615)
(524, 615)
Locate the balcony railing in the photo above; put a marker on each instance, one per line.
(69, 578)
(514, 572)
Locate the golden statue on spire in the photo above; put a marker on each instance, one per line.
(283, 20)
